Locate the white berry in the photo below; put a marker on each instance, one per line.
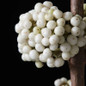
(59, 62)
(57, 82)
(61, 39)
(74, 50)
(49, 17)
(81, 42)
(25, 57)
(39, 47)
(59, 30)
(61, 22)
(75, 21)
(26, 16)
(54, 7)
(45, 41)
(57, 14)
(53, 47)
(48, 4)
(46, 32)
(69, 82)
(18, 27)
(82, 25)
(41, 15)
(38, 7)
(35, 16)
(27, 24)
(41, 23)
(36, 30)
(31, 43)
(38, 38)
(25, 33)
(75, 31)
(66, 56)
(72, 39)
(51, 24)
(54, 39)
(42, 58)
(65, 47)
(26, 49)
(31, 36)
(39, 64)
(50, 62)
(21, 39)
(64, 80)
(47, 52)
(67, 16)
(34, 55)
(44, 9)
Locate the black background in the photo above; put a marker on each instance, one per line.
(20, 72)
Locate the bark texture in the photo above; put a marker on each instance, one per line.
(77, 7)
(77, 63)
(77, 68)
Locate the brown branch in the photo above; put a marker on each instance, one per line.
(77, 7)
(77, 75)
(77, 66)
(85, 56)
(77, 63)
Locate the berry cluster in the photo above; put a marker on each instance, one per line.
(47, 35)
(62, 82)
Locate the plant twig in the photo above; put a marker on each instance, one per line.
(77, 7)
(77, 63)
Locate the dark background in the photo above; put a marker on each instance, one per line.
(20, 72)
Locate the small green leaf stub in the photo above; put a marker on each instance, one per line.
(84, 9)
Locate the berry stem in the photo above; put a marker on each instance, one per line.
(77, 63)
